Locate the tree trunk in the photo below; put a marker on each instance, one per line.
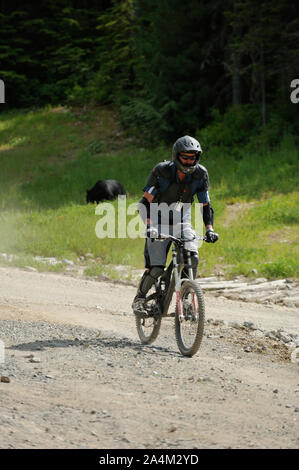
(236, 81)
(263, 87)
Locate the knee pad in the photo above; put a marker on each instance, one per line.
(149, 278)
(194, 261)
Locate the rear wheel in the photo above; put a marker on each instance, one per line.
(189, 331)
(148, 327)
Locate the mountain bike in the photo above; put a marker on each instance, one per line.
(190, 309)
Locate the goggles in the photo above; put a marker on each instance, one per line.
(187, 156)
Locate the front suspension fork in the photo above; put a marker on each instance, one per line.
(178, 284)
(178, 288)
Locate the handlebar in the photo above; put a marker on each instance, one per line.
(179, 241)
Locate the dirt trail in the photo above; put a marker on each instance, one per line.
(79, 377)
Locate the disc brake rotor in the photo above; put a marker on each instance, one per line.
(188, 310)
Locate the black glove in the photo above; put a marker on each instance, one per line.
(212, 236)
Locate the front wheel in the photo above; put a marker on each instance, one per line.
(189, 329)
(148, 328)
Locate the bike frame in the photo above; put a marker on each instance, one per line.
(189, 308)
(176, 281)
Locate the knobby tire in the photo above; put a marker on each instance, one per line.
(190, 350)
(153, 330)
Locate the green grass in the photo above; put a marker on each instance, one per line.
(98, 270)
(254, 174)
(66, 232)
(49, 157)
(23, 261)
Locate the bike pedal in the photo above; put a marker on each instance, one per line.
(172, 314)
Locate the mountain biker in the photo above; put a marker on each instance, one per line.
(174, 183)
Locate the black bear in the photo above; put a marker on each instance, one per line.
(104, 190)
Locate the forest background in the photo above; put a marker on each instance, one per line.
(101, 89)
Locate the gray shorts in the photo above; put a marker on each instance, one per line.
(155, 252)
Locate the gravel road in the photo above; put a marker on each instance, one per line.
(78, 377)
